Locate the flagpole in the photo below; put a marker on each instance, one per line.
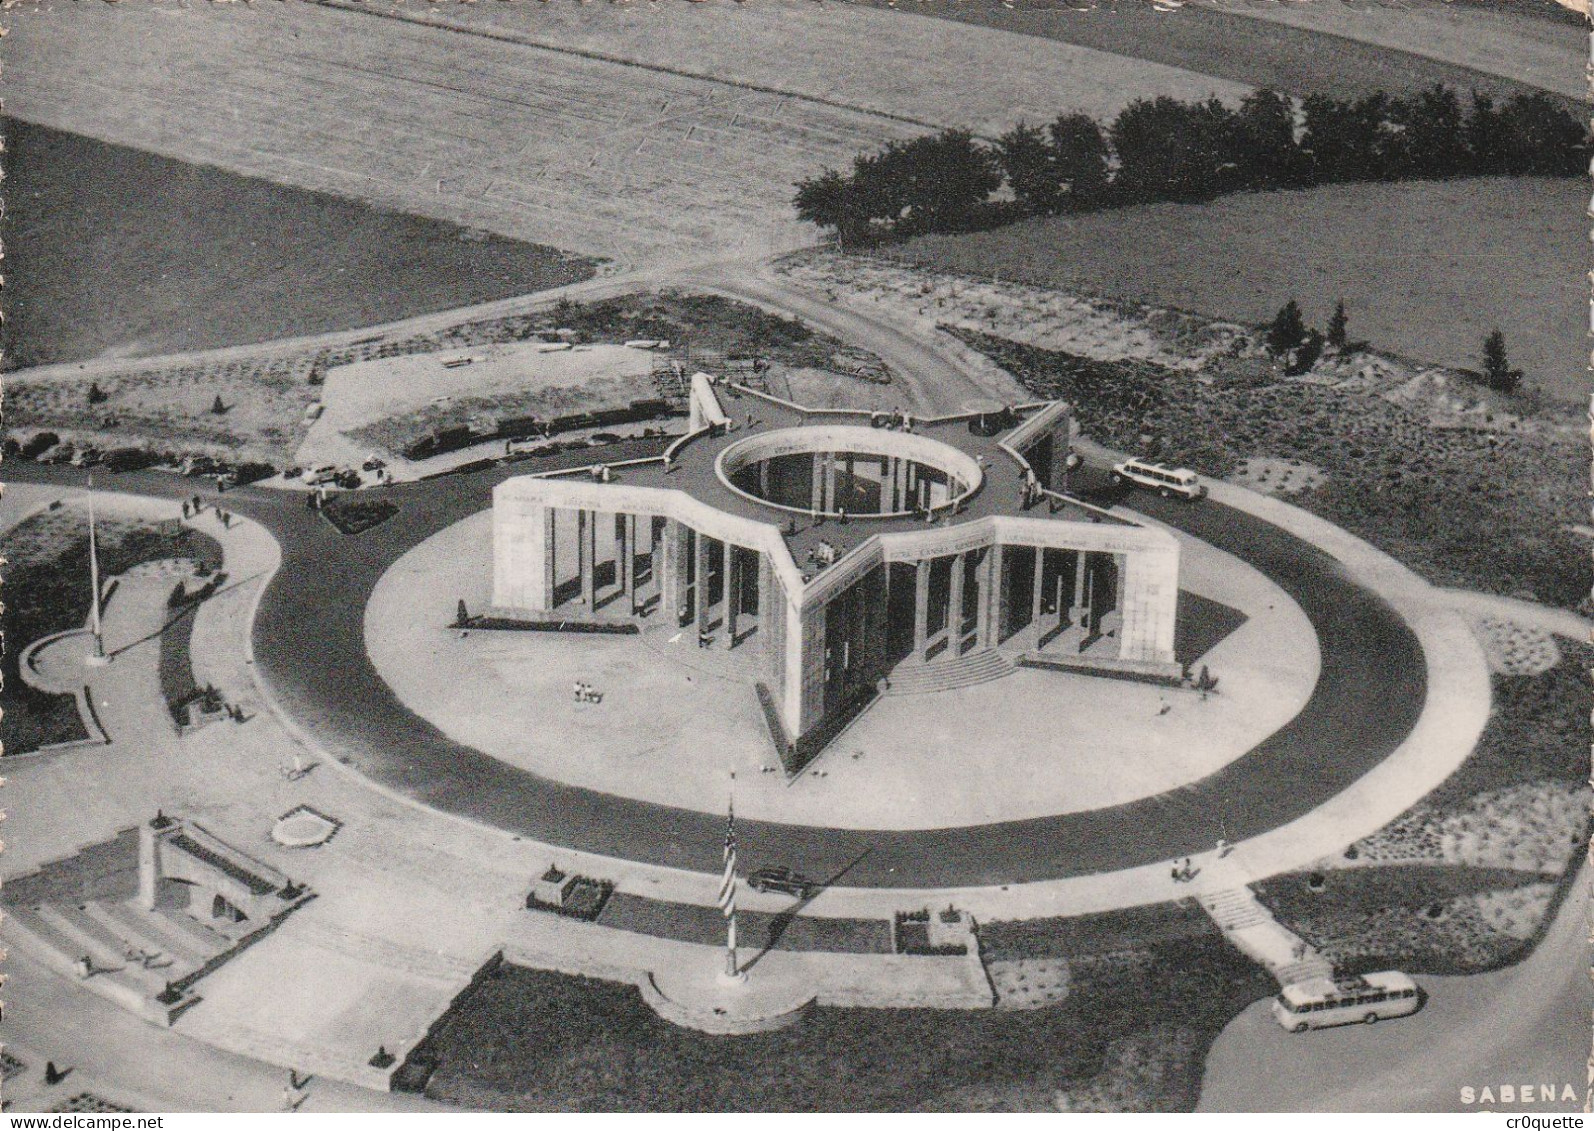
(732, 972)
(94, 583)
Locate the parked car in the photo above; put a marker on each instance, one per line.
(783, 880)
(1166, 481)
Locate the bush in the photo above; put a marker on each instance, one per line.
(38, 444)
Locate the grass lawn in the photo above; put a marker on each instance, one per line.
(187, 257)
(532, 1041)
(1078, 935)
(1537, 731)
(47, 568)
(1425, 919)
(1426, 269)
(1438, 500)
(691, 923)
(1452, 918)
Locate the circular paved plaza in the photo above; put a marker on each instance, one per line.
(676, 720)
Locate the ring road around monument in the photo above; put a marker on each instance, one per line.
(878, 518)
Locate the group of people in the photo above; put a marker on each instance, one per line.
(193, 508)
(822, 555)
(896, 420)
(586, 693)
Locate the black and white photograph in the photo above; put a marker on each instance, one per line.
(795, 556)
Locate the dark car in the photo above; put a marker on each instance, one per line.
(783, 880)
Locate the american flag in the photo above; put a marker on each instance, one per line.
(728, 880)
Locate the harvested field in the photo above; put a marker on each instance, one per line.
(639, 165)
(1546, 48)
(890, 62)
(188, 257)
(1303, 57)
(1426, 268)
(565, 144)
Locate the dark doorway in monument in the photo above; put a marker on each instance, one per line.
(854, 644)
(967, 616)
(1018, 590)
(899, 613)
(937, 620)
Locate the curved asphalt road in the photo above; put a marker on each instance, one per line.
(309, 650)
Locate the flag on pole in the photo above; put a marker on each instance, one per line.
(728, 880)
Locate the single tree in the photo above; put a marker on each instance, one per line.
(1171, 150)
(1485, 137)
(1261, 146)
(462, 615)
(1540, 138)
(1079, 156)
(1030, 166)
(1337, 326)
(1497, 371)
(1306, 354)
(216, 406)
(1287, 331)
(830, 200)
(1428, 136)
(97, 395)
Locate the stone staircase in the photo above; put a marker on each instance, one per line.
(1235, 909)
(945, 675)
(126, 945)
(1247, 924)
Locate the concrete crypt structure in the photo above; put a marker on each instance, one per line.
(844, 550)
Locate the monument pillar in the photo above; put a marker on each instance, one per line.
(586, 554)
(627, 562)
(700, 583)
(954, 607)
(1036, 593)
(921, 607)
(730, 582)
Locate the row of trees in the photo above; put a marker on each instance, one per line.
(1164, 149)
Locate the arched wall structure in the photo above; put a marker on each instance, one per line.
(831, 603)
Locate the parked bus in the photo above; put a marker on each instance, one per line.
(1166, 481)
(1320, 1002)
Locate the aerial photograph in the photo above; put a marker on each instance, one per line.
(795, 556)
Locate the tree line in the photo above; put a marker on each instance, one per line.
(1163, 149)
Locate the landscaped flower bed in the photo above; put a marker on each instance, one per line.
(353, 514)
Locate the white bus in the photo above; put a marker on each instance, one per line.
(1320, 1002)
(1166, 481)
